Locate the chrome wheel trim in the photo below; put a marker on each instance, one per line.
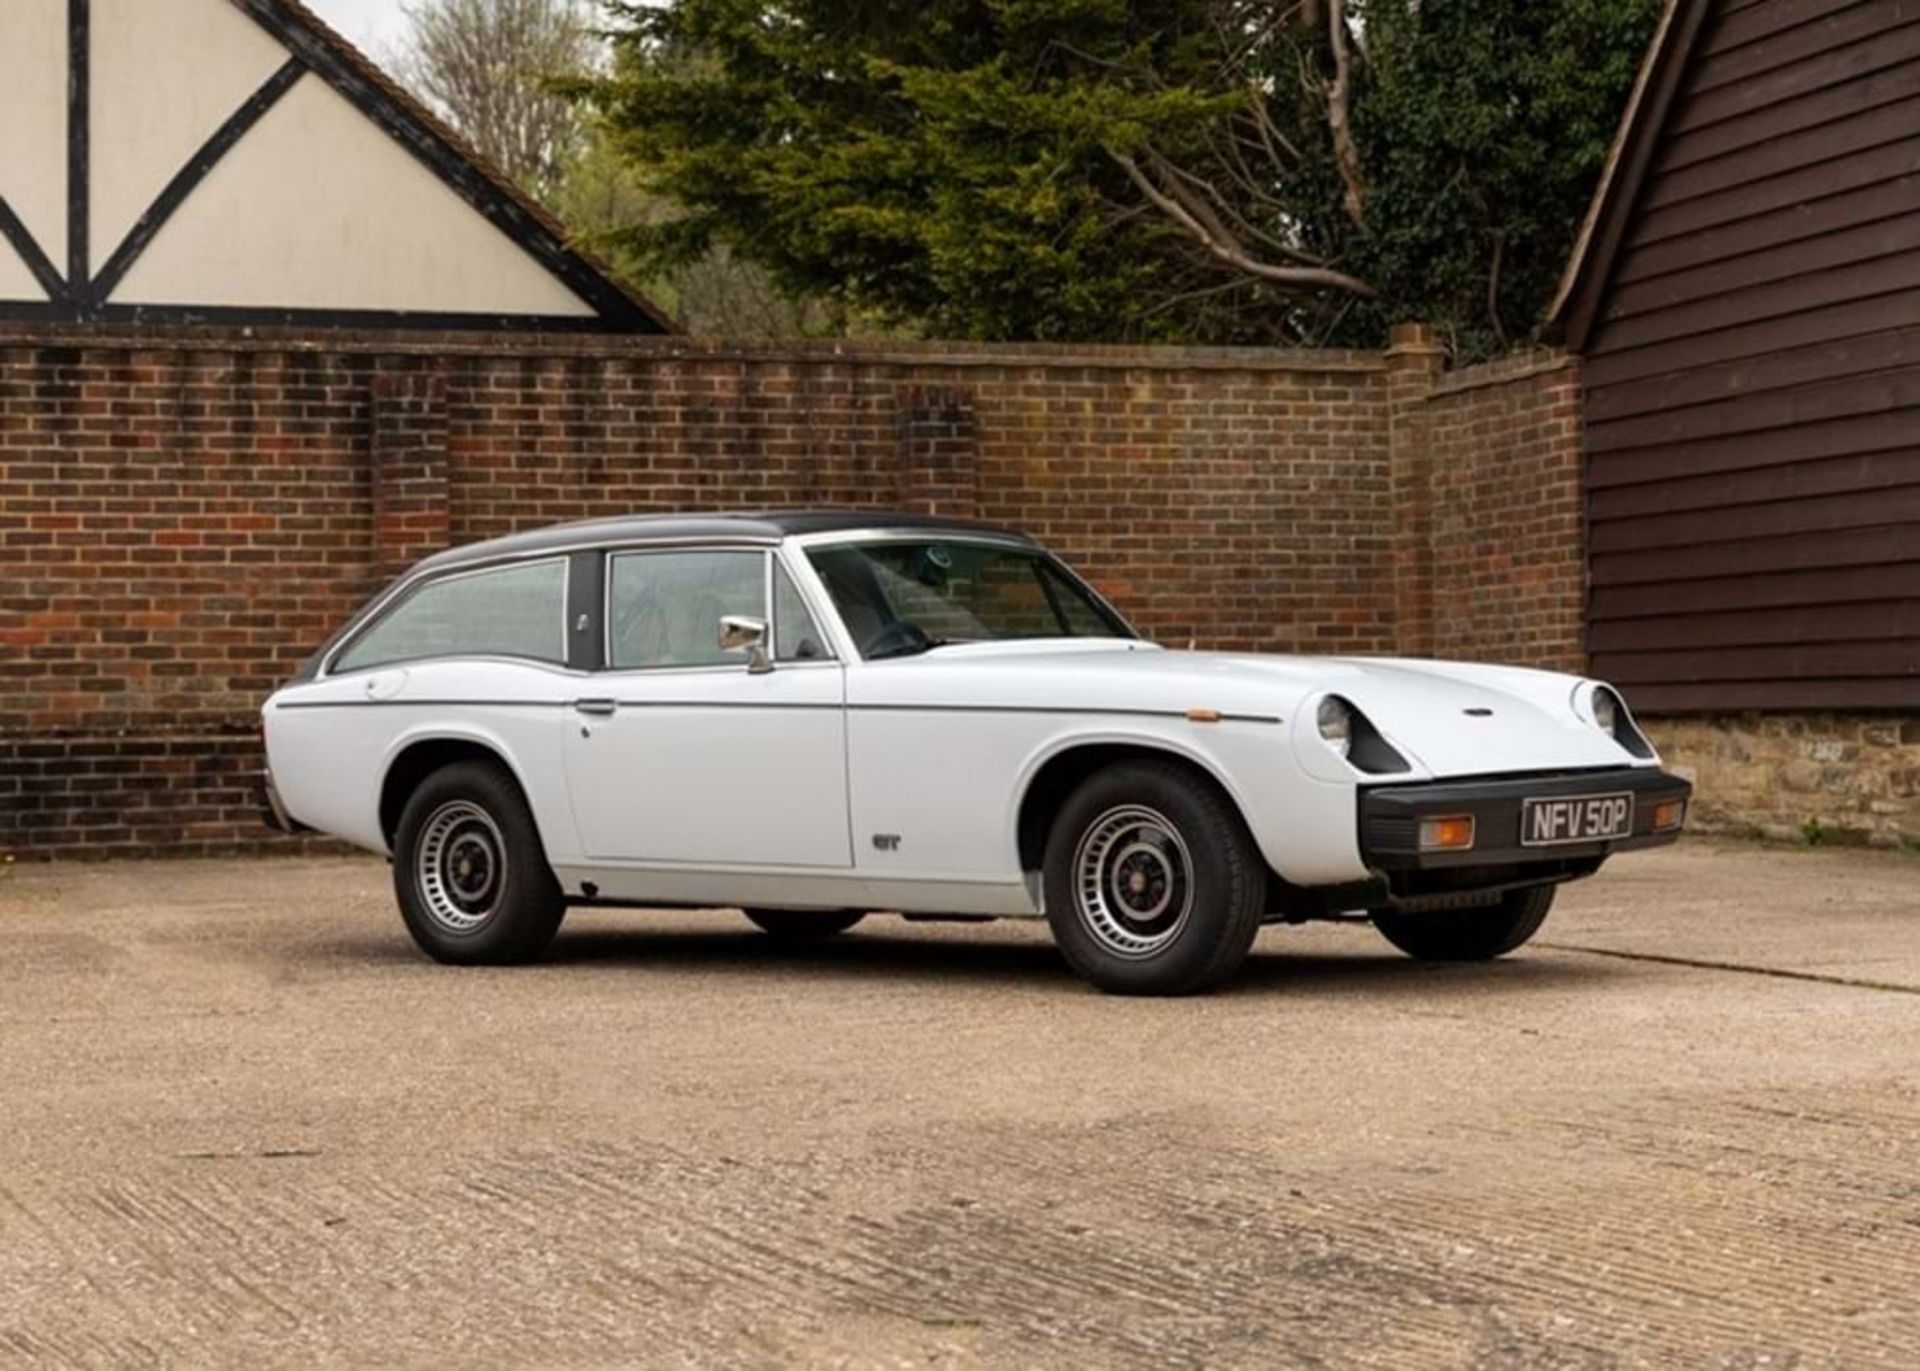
(1133, 882)
(460, 866)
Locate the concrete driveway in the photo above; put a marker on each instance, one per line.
(242, 1123)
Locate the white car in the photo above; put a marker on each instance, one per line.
(813, 716)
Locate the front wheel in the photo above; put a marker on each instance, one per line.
(1153, 884)
(470, 873)
(1469, 935)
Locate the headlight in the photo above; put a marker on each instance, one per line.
(1336, 725)
(1606, 712)
(1601, 706)
(1350, 736)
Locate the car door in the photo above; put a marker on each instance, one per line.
(678, 752)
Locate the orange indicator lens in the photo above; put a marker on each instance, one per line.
(1669, 815)
(1449, 834)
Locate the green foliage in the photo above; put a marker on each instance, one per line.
(973, 167)
(717, 293)
(1486, 126)
(908, 161)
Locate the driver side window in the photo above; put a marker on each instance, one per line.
(664, 608)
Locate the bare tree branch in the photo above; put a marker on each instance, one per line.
(1332, 325)
(1242, 38)
(1232, 157)
(1346, 154)
(1216, 213)
(1493, 290)
(1270, 134)
(1178, 298)
(484, 65)
(1227, 248)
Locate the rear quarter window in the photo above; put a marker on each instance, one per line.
(514, 611)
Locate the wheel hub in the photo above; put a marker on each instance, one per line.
(1133, 881)
(1144, 881)
(470, 867)
(460, 866)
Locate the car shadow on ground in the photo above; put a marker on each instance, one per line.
(905, 954)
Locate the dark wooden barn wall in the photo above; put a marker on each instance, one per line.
(1754, 379)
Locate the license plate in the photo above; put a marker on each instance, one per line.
(1584, 819)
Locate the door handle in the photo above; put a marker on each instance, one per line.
(600, 707)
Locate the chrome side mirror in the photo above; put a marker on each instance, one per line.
(743, 633)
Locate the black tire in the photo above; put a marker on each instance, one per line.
(1177, 886)
(802, 925)
(1469, 935)
(468, 822)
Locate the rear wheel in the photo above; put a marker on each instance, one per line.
(470, 873)
(1469, 935)
(1153, 884)
(800, 925)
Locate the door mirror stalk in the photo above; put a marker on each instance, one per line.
(743, 633)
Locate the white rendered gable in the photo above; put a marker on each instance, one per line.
(16, 281)
(318, 208)
(165, 77)
(33, 126)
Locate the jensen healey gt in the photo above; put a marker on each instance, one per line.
(814, 716)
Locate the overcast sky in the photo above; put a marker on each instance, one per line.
(373, 25)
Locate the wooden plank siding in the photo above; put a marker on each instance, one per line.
(1753, 375)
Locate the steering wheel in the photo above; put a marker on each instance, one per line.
(895, 639)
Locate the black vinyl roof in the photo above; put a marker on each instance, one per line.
(766, 525)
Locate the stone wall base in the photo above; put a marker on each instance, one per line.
(1845, 779)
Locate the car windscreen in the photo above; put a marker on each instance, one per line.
(901, 597)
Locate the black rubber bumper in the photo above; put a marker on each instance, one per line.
(1390, 818)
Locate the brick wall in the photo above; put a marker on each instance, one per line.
(1507, 513)
(184, 516)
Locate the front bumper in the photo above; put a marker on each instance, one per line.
(1390, 819)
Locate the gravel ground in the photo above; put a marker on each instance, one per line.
(242, 1123)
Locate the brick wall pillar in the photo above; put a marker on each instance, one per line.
(939, 454)
(408, 455)
(1560, 525)
(1414, 363)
